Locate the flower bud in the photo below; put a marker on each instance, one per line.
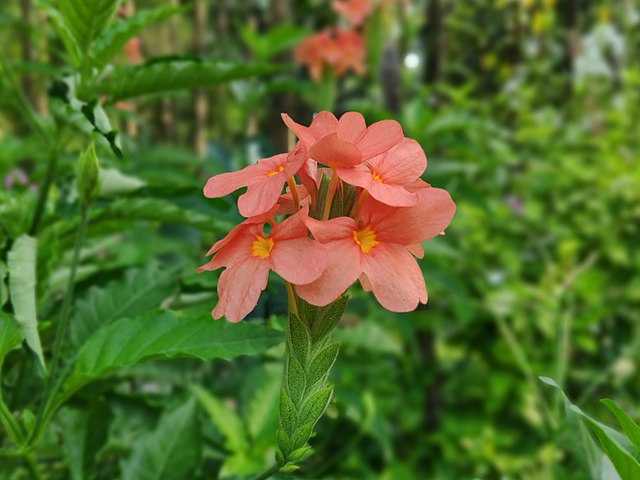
(87, 171)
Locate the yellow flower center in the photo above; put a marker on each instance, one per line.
(377, 177)
(275, 171)
(365, 238)
(261, 247)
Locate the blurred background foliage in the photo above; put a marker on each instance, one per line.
(529, 111)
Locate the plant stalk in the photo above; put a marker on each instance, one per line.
(52, 385)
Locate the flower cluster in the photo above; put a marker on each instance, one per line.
(375, 172)
(337, 49)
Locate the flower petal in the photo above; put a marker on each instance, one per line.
(379, 138)
(298, 260)
(402, 164)
(261, 196)
(393, 195)
(330, 230)
(335, 152)
(360, 175)
(296, 159)
(225, 183)
(395, 277)
(351, 127)
(323, 124)
(292, 227)
(343, 268)
(303, 133)
(429, 217)
(239, 289)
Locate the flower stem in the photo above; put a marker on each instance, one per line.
(291, 296)
(52, 385)
(328, 202)
(294, 192)
(12, 427)
(268, 473)
(358, 204)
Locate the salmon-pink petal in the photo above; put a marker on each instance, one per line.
(296, 159)
(234, 248)
(417, 250)
(225, 183)
(393, 195)
(402, 164)
(379, 138)
(298, 260)
(303, 133)
(428, 218)
(343, 268)
(351, 127)
(416, 185)
(360, 175)
(292, 227)
(329, 230)
(239, 289)
(335, 152)
(394, 277)
(261, 196)
(323, 124)
(286, 205)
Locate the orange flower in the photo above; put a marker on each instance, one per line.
(355, 11)
(339, 50)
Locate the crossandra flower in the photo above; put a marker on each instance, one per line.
(264, 181)
(248, 254)
(338, 50)
(392, 211)
(378, 247)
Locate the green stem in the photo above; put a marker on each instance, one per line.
(53, 385)
(43, 193)
(268, 473)
(328, 202)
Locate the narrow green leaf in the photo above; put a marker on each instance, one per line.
(10, 335)
(114, 38)
(629, 427)
(140, 291)
(328, 318)
(627, 467)
(288, 413)
(22, 287)
(114, 182)
(164, 335)
(296, 381)
(321, 364)
(4, 290)
(171, 452)
(173, 74)
(300, 339)
(315, 405)
(225, 419)
(278, 39)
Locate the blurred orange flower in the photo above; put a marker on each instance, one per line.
(339, 50)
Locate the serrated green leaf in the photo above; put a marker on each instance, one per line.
(22, 287)
(321, 364)
(225, 419)
(168, 334)
(86, 19)
(140, 291)
(629, 427)
(114, 38)
(171, 452)
(296, 381)
(173, 74)
(299, 339)
(315, 405)
(10, 335)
